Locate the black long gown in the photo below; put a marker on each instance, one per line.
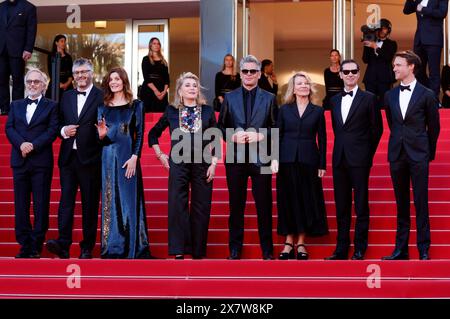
(65, 72)
(333, 85)
(124, 226)
(158, 74)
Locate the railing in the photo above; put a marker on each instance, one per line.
(54, 72)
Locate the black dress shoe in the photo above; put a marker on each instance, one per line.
(234, 255)
(55, 248)
(85, 254)
(397, 255)
(23, 254)
(337, 256)
(287, 255)
(424, 256)
(179, 257)
(268, 257)
(358, 255)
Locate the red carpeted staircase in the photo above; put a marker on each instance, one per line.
(250, 277)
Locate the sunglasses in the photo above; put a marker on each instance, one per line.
(252, 72)
(35, 82)
(347, 72)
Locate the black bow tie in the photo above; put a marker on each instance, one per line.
(30, 101)
(82, 93)
(345, 93)
(405, 87)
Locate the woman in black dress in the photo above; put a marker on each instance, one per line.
(187, 119)
(65, 71)
(333, 82)
(226, 80)
(156, 78)
(445, 84)
(303, 141)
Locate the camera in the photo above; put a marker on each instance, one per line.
(370, 31)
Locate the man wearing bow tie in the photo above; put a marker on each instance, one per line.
(31, 128)
(79, 161)
(18, 24)
(413, 118)
(429, 38)
(357, 130)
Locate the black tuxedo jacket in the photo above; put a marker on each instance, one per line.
(19, 33)
(358, 138)
(429, 21)
(302, 139)
(417, 134)
(88, 145)
(41, 132)
(264, 84)
(232, 115)
(379, 67)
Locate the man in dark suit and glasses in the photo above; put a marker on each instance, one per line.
(429, 38)
(413, 118)
(357, 127)
(18, 25)
(79, 161)
(248, 107)
(32, 128)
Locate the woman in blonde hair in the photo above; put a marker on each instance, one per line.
(156, 78)
(187, 118)
(300, 200)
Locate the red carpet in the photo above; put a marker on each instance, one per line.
(245, 278)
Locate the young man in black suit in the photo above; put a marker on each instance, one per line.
(79, 161)
(413, 118)
(378, 56)
(429, 38)
(248, 107)
(32, 128)
(18, 25)
(357, 127)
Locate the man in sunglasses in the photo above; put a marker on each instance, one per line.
(357, 127)
(245, 111)
(413, 118)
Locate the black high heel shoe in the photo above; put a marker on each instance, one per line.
(179, 257)
(289, 255)
(300, 254)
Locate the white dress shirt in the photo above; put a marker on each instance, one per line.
(405, 97)
(31, 108)
(346, 104)
(424, 3)
(81, 100)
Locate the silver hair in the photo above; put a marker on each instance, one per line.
(82, 61)
(250, 59)
(44, 77)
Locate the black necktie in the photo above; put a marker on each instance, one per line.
(345, 93)
(405, 87)
(30, 101)
(248, 108)
(82, 93)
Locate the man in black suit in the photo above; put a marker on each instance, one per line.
(79, 161)
(413, 118)
(378, 56)
(18, 25)
(357, 127)
(268, 79)
(429, 38)
(247, 111)
(31, 128)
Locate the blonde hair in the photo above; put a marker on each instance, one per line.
(44, 78)
(178, 99)
(158, 54)
(289, 97)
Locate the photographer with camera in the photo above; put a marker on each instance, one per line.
(378, 53)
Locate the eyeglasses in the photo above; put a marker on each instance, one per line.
(347, 72)
(82, 72)
(252, 72)
(35, 82)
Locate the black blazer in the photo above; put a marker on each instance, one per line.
(264, 84)
(379, 67)
(41, 132)
(232, 115)
(88, 145)
(429, 22)
(302, 139)
(19, 33)
(417, 134)
(358, 138)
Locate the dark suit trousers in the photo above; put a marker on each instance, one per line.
(431, 55)
(379, 89)
(16, 68)
(88, 178)
(402, 172)
(237, 179)
(188, 228)
(346, 178)
(37, 181)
